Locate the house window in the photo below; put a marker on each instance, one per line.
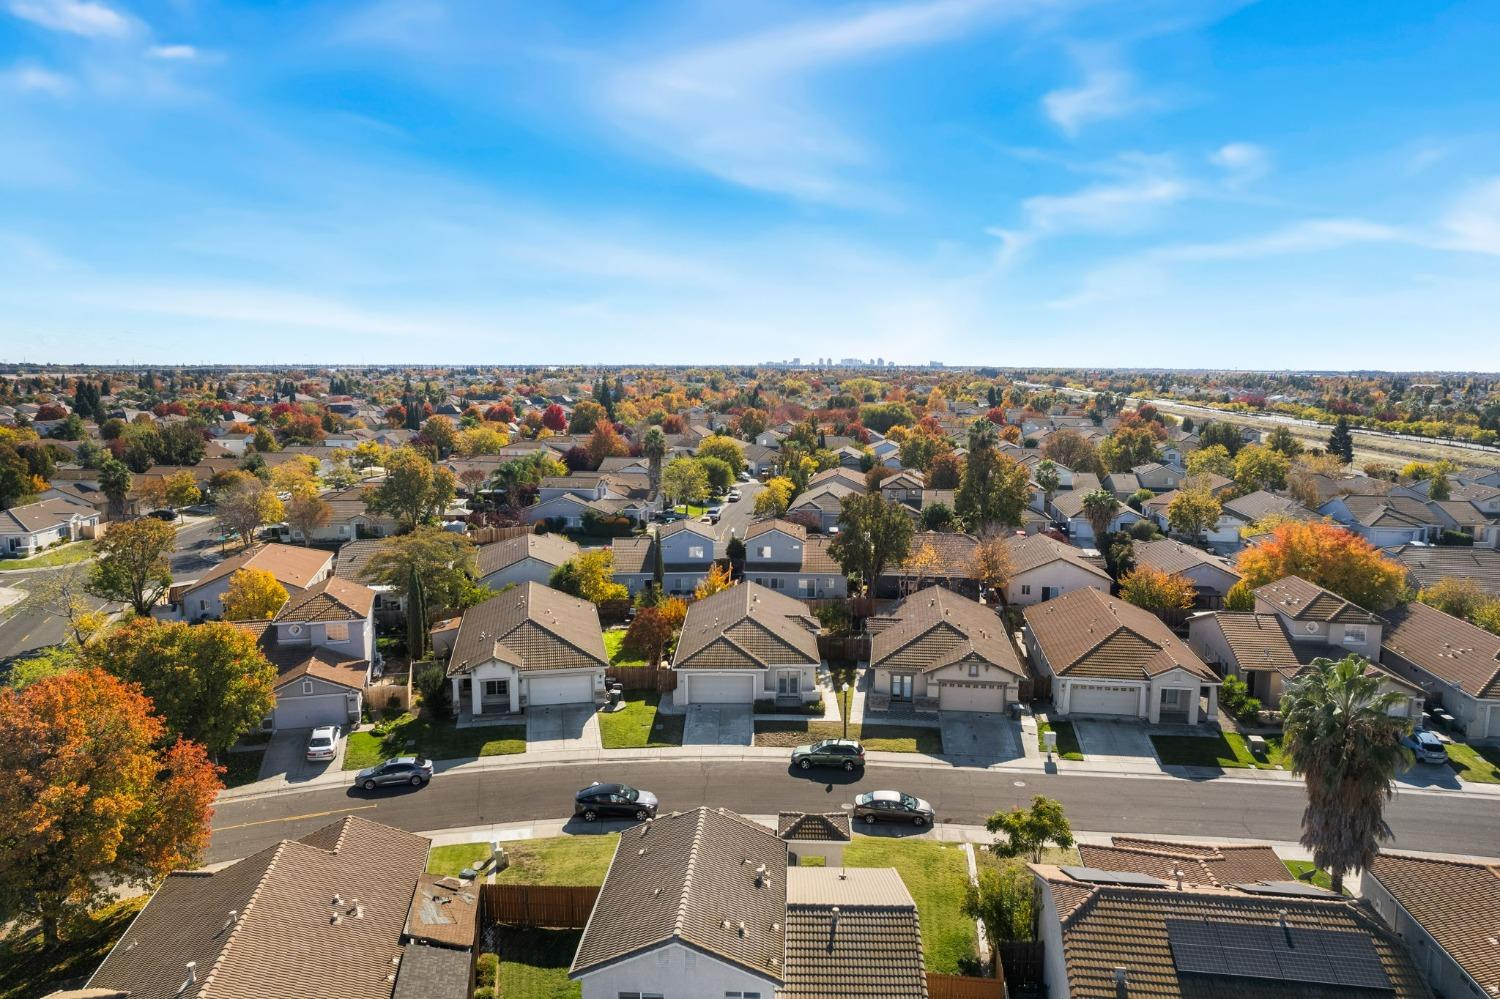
(696, 551)
(973, 669)
(497, 690)
(1172, 697)
(764, 551)
(1354, 633)
(1025, 589)
(900, 686)
(803, 585)
(337, 631)
(307, 686)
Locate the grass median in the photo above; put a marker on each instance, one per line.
(409, 735)
(880, 738)
(639, 725)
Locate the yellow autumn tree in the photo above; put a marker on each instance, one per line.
(253, 595)
(716, 580)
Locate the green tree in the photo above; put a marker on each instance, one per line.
(1027, 832)
(1257, 467)
(1222, 433)
(414, 491)
(1048, 480)
(1004, 901)
(114, 482)
(1099, 508)
(726, 449)
(684, 480)
(720, 475)
(132, 563)
(1193, 511)
(1341, 441)
(1281, 439)
(654, 447)
(995, 488)
(1212, 460)
(873, 533)
(1341, 738)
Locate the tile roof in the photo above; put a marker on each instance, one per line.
(333, 599)
(354, 556)
(1086, 633)
(553, 549)
(531, 627)
(1220, 865)
(827, 497)
(1457, 903)
(1175, 557)
(1108, 927)
(443, 911)
(1261, 504)
(43, 515)
(1296, 598)
(1427, 564)
(746, 627)
(693, 877)
(1258, 641)
(289, 938)
(851, 933)
(790, 528)
(1037, 550)
(955, 555)
(1450, 648)
(296, 660)
(936, 627)
(292, 565)
(831, 827)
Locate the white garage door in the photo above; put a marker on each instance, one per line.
(964, 697)
(310, 712)
(561, 690)
(1103, 700)
(708, 689)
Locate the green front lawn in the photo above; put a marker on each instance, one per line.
(534, 964)
(1067, 739)
(1305, 870)
(408, 735)
(936, 874)
(614, 642)
(638, 725)
(1226, 751)
(884, 738)
(242, 768)
(27, 969)
(555, 860)
(1480, 764)
(67, 554)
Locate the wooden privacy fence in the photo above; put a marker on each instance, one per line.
(489, 535)
(964, 987)
(557, 906)
(392, 688)
(643, 678)
(1021, 961)
(854, 648)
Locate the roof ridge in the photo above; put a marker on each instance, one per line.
(250, 901)
(687, 874)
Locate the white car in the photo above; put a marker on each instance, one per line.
(734, 495)
(323, 744)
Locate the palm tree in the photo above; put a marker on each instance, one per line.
(1340, 736)
(654, 447)
(1048, 479)
(1099, 507)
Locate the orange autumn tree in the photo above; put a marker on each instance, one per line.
(93, 797)
(1153, 589)
(1328, 555)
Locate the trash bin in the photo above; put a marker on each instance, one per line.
(614, 696)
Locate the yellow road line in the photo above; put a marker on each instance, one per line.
(294, 818)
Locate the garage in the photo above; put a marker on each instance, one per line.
(958, 696)
(311, 711)
(708, 688)
(575, 689)
(1104, 699)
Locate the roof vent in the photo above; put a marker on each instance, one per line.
(234, 917)
(760, 876)
(833, 925)
(1122, 977)
(741, 928)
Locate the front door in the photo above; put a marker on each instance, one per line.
(901, 686)
(787, 684)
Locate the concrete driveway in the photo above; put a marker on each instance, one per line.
(719, 725)
(562, 726)
(286, 757)
(983, 736)
(1125, 743)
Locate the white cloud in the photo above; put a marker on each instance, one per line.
(1309, 236)
(1112, 207)
(1107, 91)
(78, 17)
(1472, 222)
(35, 79)
(1241, 161)
(184, 53)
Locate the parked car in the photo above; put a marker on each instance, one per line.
(713, 513)
(618, 801)
(745, 477)
(411, 770)
(734, 495)
(893, 806)
(323, 744)
(1426, 747)
(844, 753)
(167, 515)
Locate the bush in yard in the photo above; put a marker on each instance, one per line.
(1235, 696)
(486, 970)
(1004, 901)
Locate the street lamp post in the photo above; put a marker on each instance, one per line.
(844, 707)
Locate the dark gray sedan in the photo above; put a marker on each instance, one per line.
(892, 806)
(411, 770)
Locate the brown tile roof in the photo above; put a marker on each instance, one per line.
(1451, 649)
(787, 527)
(333, 599)
(43, 515)
(744, 627)
(1258, 641)
(1457, 903)
(553, 549)
(1086, 633)
(1038, 549)
(955, 555)
(935, 627)
(1175, 557)
(532, 627)
(1260, 504)
(691, 877)
(1223, 866)
(285, 941)
(443, 911)
(292, 565)
(1118, 927)
(830, 827)
(354, 556)
(1427, 564)
(296, 660)
(1296, 598)
(872, 948)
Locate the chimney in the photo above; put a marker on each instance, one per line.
(192, 975)
(833, 927)
(760, 876)
(1177, 873)
(741, 928)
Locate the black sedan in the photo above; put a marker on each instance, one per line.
(614, 801)
(892, 806)
(411, 770)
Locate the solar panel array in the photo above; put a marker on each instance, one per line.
(1298, 889)
(1276, 953)
(1096, 876)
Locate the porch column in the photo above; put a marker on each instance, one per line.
(1150, 704)
(1193, 708)
(476, 695)
(1213, 702)
(515, 694)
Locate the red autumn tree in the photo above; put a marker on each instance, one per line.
(606, 442)
(1328, 555)
(554, 419)
(93, 796)
(501, 412)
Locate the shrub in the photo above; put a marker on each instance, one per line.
(1457, 539)
(1235, 696)
(486, 970)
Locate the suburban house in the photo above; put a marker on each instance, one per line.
(322, 643)
(1043, 568)
(687, 553)
(937, 650)
(1385, 521)
(527, 647)
(1316, 616)
(295, 568)
(1456, 664)
(1211, 575)
(27, 530)
(814, 834)
(1118, 934)
(780, 555)
(568, 498)
(934, 558)
(904, 487)
(1107, 657)
(1257, 506)
(324, 915)
(527, 556)
(1067, 507)
(703, 903)
(1446, 912)
(352, 560)
(819, 506)
(348, 520)
(1429, 564)
(1157, 477)
(1122, 484)
(747, 644)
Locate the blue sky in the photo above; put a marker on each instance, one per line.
(1298, 184)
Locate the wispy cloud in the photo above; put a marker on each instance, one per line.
(1242, 162)
(1108, 90)
(30, 78)
(78, 17)
(1308, 236)
(177, 53)
(1472, 222)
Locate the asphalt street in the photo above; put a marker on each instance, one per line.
(1172, 806)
